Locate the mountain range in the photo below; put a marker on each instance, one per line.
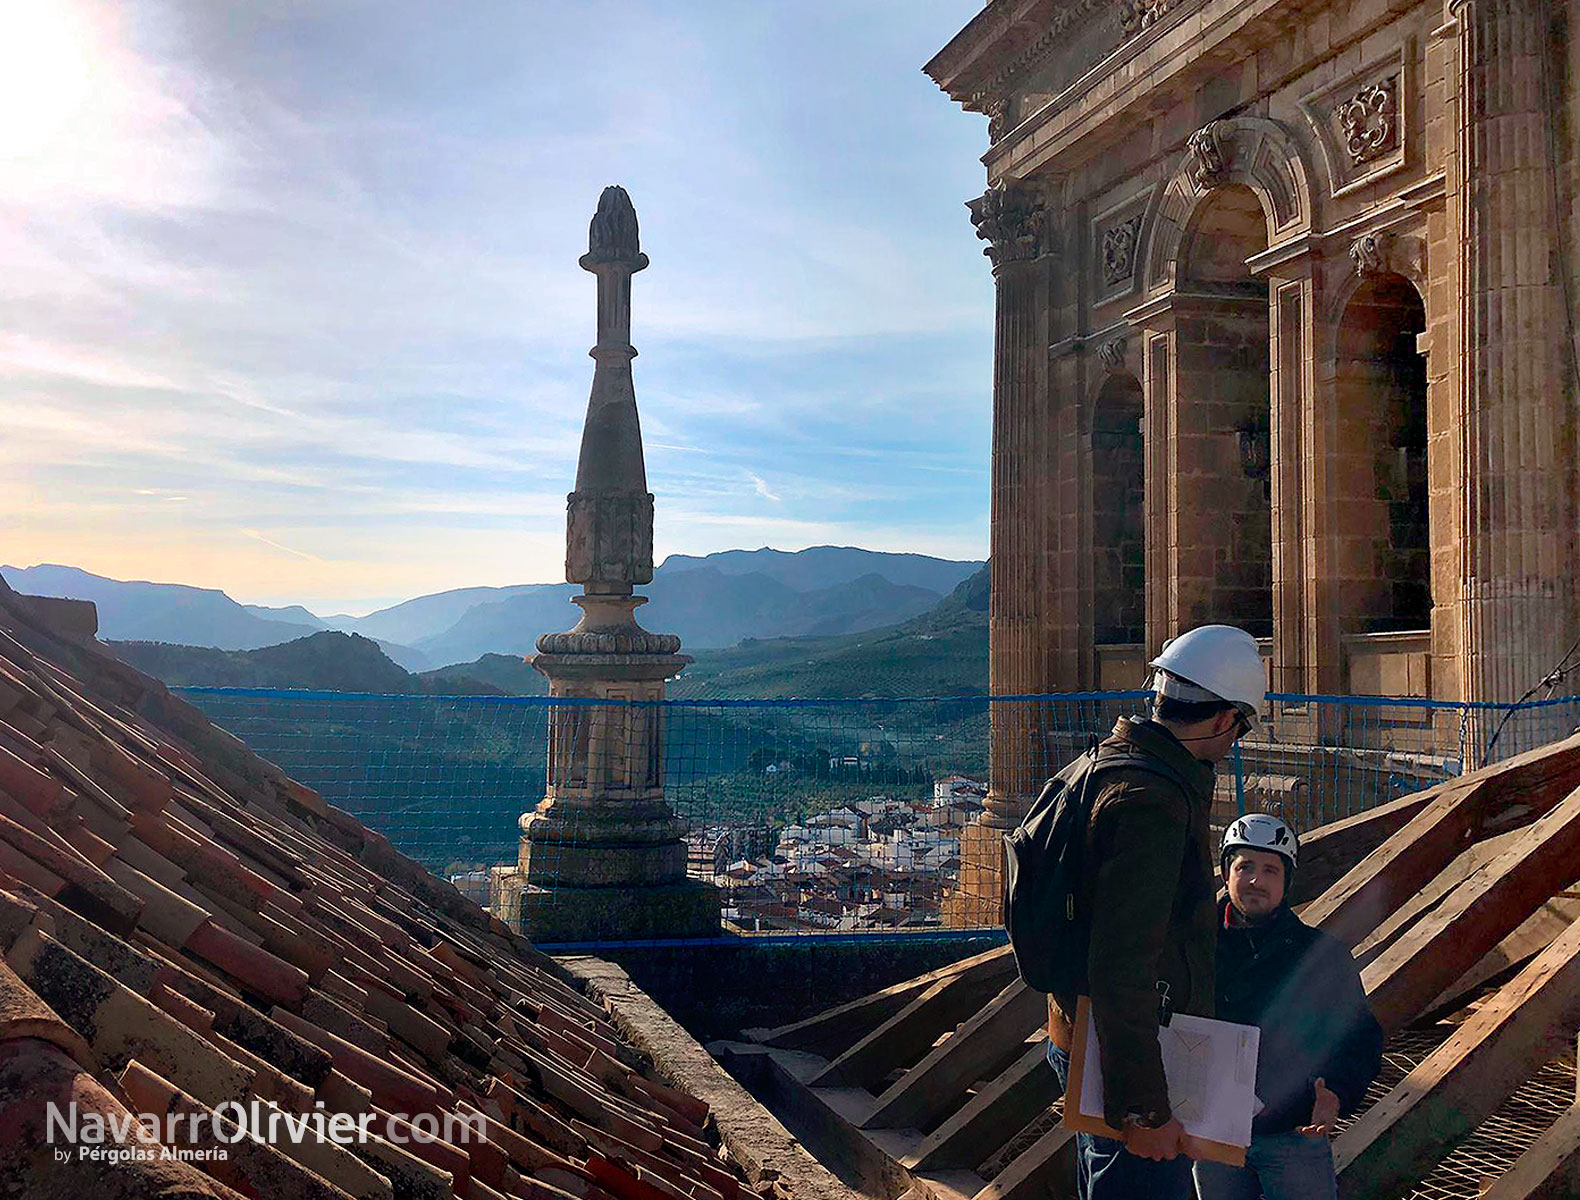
(941, 652)
(712, 602)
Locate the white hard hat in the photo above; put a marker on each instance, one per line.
(1260, 831)
(1213, 662)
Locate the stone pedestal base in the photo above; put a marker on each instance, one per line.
(688, 909)
(978, 897)
(602, 843)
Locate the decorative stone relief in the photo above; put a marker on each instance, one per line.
(1014, 223)
(1137, 15)
(1119, 251)
(1112, 354)
(1369, 253)
(1370, 122)
(1359, 120)
(1207, 154)
(998, 120)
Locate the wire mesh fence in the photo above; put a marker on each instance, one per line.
(807, 816)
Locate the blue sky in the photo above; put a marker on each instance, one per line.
(291, 304)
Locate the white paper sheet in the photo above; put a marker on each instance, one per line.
(1211, 1071)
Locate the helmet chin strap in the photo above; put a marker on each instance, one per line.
(1203, 737)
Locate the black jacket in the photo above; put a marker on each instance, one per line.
(1150, 890)
(1300, 986)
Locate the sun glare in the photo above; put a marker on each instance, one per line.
(47, 77)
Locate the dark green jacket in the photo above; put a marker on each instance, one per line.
(1151, 890)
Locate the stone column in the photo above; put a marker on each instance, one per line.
(1022, 619)
(1516, 594)
(1299, 640)
(603, 856)
(1157, 382)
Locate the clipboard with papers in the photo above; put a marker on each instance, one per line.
(1211, 1070)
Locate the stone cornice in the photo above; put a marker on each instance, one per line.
(1005, 39)
(1133, 70)
(1139, 71)
(1283, 253)
(1403, 211)
(1099, 338)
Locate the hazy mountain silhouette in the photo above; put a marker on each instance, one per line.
(158, 612)
(710, 602)
(940, 652)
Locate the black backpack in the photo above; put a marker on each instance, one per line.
(1044, 905)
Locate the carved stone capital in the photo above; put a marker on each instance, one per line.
(1014, 222)
(1112, 354)
(1370, 253)
(1207, 154)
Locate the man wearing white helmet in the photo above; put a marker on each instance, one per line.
(1321, 1045)
(1149, 887)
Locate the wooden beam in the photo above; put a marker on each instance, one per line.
(824, 1119)
(1329, 851)
(948, 1185)
(991, 1117)
(777, 1079)
(982, 1048)
(1475, 917)
(1398, 1140)
(835, 1030)
(911, 1032)
(1045, 1169)
(1442, 828)
(1428, 897)
(1549, 1169)
(1535, 934)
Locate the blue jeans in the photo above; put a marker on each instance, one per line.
(1105, 1170)
(1279, 1166)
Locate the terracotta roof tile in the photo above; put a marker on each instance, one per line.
(177, 911)
(252, 1167)
(35, 1074)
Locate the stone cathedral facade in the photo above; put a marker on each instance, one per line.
(1285, 338)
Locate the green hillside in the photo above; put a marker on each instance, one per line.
(511, 674)
(327, 661)
(447, 780)
(943, 652)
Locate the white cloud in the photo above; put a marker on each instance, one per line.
(299, 280)
(274, 545)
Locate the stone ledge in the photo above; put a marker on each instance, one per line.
(774, 1161)
(684, 909)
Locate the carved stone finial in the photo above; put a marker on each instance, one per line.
(1207, 154)
(1369, 253)
(1013, 221)
(613, 236)
(609, 517)
(1112, 354)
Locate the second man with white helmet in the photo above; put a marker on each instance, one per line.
(1321, 1046)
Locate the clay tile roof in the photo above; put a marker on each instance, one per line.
(183, 927)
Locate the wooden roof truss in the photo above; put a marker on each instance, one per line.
(1461, 902)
